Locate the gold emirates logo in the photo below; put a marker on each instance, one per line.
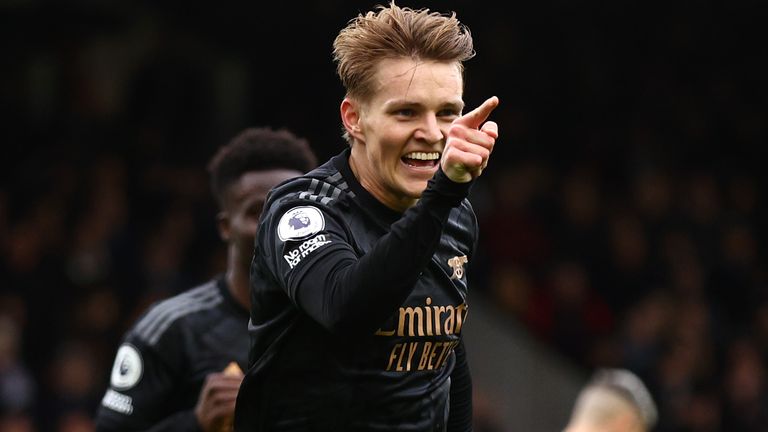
(425, 321)
(428, 320)
(457, 264)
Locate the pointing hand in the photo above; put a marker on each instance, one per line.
(470, 142)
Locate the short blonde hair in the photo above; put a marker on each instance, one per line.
(612, 393)
(395, 32)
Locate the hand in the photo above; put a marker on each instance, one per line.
(216, 406)
(470, 142)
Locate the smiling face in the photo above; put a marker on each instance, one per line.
(399, 132)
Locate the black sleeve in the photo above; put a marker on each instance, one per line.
(351, 294)
(460, 414)
(141, 383)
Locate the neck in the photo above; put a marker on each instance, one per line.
(364, 175)
(238, 276)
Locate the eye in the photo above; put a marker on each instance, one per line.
(405, 112)
(449, 113)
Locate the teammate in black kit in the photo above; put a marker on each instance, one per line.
(168, 372)
(359, 291)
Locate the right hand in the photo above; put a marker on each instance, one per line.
(469, 144)
(216, 405)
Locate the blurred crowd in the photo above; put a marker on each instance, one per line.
(623, 222)
(80, 261)
(662, 274)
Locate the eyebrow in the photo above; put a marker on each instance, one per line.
(458, 106)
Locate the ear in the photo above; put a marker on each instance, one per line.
(351, 118)
(222, 222)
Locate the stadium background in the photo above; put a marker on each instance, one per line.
(623, 214)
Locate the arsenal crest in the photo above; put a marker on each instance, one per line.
(457, 264)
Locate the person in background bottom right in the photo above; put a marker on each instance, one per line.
(614, 400)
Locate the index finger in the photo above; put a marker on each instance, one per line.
(477, 116)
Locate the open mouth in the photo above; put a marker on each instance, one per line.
(421, 159)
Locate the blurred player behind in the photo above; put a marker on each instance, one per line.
(169, 371)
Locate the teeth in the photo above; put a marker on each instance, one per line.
(423, 156)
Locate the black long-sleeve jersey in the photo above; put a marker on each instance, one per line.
(357, 310)
(163, 360)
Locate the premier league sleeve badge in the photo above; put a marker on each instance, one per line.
(300, 222)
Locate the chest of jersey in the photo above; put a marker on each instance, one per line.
(424, 330)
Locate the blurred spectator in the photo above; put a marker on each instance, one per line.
(76, 421)
(746, 391)
(515, 234)
(17, 387)
(643, 333)
(16, 422)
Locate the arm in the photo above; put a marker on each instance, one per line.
(140, 403)
(140, 386)
(347, 293)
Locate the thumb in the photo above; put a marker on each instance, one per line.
(477, 116)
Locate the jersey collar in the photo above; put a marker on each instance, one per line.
(368, 202)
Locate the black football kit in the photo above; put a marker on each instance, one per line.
(357, 309)
(162, 362)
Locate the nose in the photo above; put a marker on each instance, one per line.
(429, 130)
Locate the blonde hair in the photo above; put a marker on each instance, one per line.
(394, 32)
(598, 406)
(610, 395)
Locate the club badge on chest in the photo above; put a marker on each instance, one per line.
(457, 264)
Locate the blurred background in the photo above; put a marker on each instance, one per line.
(623, 216)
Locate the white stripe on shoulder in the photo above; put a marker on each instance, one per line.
(161, 309)
(152, 326)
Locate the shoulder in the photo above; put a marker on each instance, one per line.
(324, 185)
(463, 216)
(303, 203)
(462, 224)
(466, 207)
(168, 313)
